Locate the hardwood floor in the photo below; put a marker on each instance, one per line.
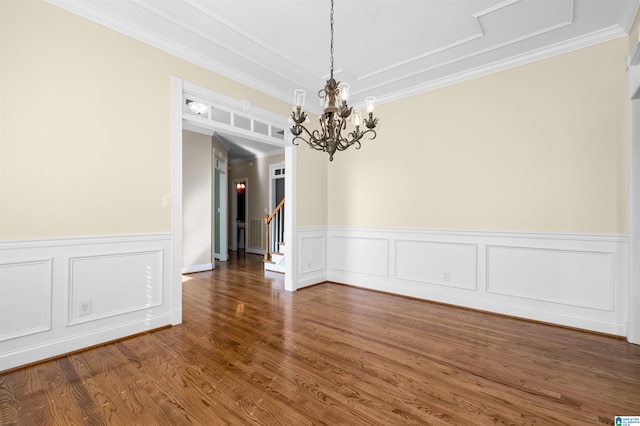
(250, 353)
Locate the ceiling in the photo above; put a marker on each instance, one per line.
(389, 49)
(238, 148)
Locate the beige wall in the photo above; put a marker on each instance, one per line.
(312, 190)
(541, 147)
(85, 138)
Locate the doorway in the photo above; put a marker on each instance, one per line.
(239, 206)
(220, 209)
(277, 186)
(223, 110)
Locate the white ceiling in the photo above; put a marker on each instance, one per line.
(384, 48)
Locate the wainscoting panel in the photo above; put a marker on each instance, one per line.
(310, 257)
(313, 251)
(123, 284)
(359, 254)
(567, 279)
(583, 279)
(446, 264)
(104, 279)
(29, 284)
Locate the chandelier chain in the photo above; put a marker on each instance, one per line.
(331, 38)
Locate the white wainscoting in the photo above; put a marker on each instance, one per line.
(26, 280)
(571, 280)
(310, 256)
(126, 281)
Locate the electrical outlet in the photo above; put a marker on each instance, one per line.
(446, 276)
(84, 307)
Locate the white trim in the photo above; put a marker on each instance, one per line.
(612, 238)
(633, 326)
(177, 88)
(290, 212)
(197, 268)
(223, 188)
(88, 240)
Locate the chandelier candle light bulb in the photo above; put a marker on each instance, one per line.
(370, 100)
(334, 119)
(357, 119)
(298, 97)
(344, 91)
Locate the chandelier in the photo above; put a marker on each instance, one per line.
(333, 120)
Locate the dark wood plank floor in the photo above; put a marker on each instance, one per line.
(250, 353)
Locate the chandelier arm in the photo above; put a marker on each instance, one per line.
(312, 145)
(319, 140)
(372, 132)
(342, 141)
(311, 135)
(352, 139)
(355, 137)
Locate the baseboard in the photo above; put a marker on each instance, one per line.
(63, 346)
(197, 268)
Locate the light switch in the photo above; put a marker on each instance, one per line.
(166, 201)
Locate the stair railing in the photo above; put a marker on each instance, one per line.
(274, 227)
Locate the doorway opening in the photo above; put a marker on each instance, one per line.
(239, 208)
(234, 116)
(220, 209)
(277, 186)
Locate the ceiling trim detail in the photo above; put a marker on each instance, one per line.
(278, 83)
(479, 33)
(608, 34)
(134, 31)
(225, 46)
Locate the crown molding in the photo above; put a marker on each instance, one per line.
(128, 28)
(629, 13)
(591, 39)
